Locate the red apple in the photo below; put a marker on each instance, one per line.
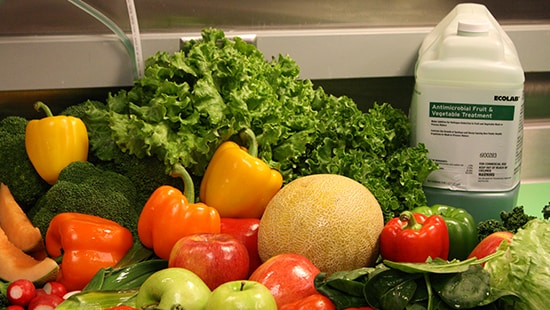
(215, 258)
(289, 277)
(489, 244)
(316, 301)
(246, 230)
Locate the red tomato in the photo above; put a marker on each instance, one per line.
(312, 302)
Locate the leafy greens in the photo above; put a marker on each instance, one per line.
(434, 285)
(524, 269)
(189, 102)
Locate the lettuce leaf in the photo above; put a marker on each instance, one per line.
(524, 269)
(189, 102)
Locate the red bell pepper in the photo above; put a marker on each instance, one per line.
(413, 237)
(245, 230)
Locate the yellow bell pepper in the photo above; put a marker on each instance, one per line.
(237, 183)
(53, 142)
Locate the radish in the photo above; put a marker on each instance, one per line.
(40, 291)
(15, 307)
(55, 288)
(20, 292)
(45, 302)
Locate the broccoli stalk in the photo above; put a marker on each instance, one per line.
(83, 187)
(16, 170)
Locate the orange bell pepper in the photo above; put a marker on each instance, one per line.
(53, 142)
(168, 216)
(237, 183)
(86, 244)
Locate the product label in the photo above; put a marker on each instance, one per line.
(475, 136)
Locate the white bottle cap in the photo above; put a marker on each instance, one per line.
(473, 26)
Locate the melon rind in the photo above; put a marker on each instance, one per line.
(16, 225)
(16, 264)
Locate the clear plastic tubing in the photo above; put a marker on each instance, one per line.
(133, 49)
(136, 37)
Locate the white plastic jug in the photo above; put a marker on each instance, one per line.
(467, 109)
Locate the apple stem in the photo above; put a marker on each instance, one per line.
(242, 285)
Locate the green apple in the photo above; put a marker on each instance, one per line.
(241, 294)
(173, 288)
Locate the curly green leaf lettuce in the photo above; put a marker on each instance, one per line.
(189, 102)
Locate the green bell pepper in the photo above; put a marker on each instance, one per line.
(461, 227)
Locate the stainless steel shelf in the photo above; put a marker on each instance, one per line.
(88, 61)
(76, 66)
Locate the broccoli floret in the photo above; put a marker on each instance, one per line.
(4, 302)
(487, 227)
(16, 170)
(515, 219)
(83, 187)
(546, 211)
(147, 173)
(80, 110)
(510, 221)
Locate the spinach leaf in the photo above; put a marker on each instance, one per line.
(463, 290)
(342, 292)
(439, 265)
(452, 285)
(391, 289)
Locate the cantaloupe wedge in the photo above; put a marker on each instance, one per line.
(17, 227)
(16, 264)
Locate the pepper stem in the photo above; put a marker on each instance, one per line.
(178, 171)
(410, 221)
(249, 136)
(39, 105)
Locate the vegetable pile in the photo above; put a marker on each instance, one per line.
(217, 113)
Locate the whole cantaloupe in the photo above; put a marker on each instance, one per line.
(331, 219)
